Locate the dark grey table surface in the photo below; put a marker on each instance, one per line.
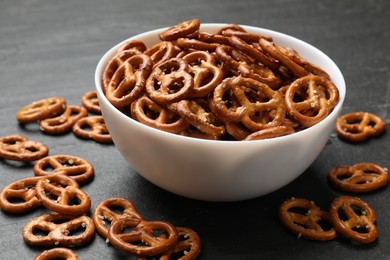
(50, 48)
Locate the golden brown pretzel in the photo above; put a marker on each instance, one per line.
(354, 218)
(189, 245)
(154, 115)
(195, 44)
(20, 148)
(170, 81)
(23, 189)
(142, 239)
(241, 64)
(116, 61)
(233, 58)
(361, 177)
(213, 38)
(230, 109)
(251, 97)
(246, 36)
(41, 109)
(44, 230)
(194, 132)
(359, 126)
(205, 73)
(90, 102)
(133, 44)
(196, 58)
(198, 114)
(75, 167)
(260, 73)
(187, 248)
(57, 253)
(253, 52)
(92, 127)
(319, 98)
(237, 130)
(305, 219)
(64, 122)
(104, 213)
(268, 109)
(232, 27)
(295, 57)
(180, 30)
(272, 132)
(128, 82)
(62, 194)
(161, 52)
(272, 50)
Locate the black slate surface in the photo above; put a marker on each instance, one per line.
(50, 48)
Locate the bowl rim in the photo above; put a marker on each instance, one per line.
(109, 53)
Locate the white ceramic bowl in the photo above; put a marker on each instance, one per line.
(219, 170)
